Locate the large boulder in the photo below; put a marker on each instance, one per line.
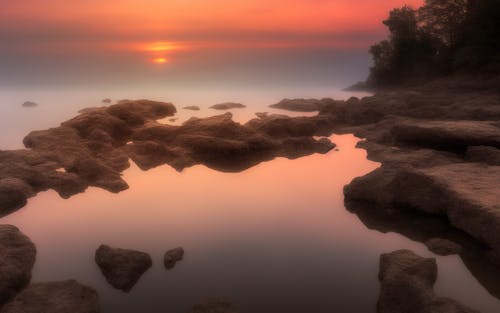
(55, 297)
(407, 282)
(465, 193)
(122, 268)
(17, 257)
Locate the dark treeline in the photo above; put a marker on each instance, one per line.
(443, 37)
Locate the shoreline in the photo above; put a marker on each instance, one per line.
(438, 149)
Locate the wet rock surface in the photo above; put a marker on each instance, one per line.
(94, 148)
(122, 268)
(438, 145)
(407, 282)
(173, 256)
(17, 257)
(55, 297)
(227, 106)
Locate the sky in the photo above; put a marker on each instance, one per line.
(60, 41)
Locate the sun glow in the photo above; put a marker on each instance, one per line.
(160, 60)
(161, 46)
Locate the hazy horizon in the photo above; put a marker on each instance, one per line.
(302, 43)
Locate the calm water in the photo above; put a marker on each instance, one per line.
(274, 238)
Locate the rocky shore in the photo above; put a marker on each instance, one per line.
(439, 146)
(94, 148)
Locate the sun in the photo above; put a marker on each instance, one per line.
(159, 60)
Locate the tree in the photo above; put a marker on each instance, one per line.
(406, 48)
(440, 38)
(443, 19)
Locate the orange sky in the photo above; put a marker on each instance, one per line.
(223, 22)
(64, 40)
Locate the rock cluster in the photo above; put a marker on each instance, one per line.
(17, 257)
(94, 148)
(439, 152)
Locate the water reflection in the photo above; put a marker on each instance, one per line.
(421, 228)
(275, 238)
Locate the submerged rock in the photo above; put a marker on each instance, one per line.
(122, 268)
(227, 106)
(443, 247)
(17, 257)
(172, 257)
(192, 108)
(407, 282)
(214, 306)
(55, 297)
(29, 104)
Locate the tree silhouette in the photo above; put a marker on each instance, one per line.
(440, 38)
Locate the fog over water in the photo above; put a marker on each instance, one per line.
(274, 238)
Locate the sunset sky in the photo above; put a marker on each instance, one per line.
(61, 40)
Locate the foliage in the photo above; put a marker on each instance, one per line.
(442, 37)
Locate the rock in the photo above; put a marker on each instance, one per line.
(94, 148)
(192, 108)
(443, 247)
(13, 195)
(106, 100)
(423, 228)
(213, 306)
(55, 297)
(227, 106)
(172, 257)
(122, 268)
(277, 125)
(483, 154)
(172, 119)
(466, 193)
(447, 135)
(407, 282)
(222, 144)
(299, 105)
(17, 257)
(262, 114)
(29, 104)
